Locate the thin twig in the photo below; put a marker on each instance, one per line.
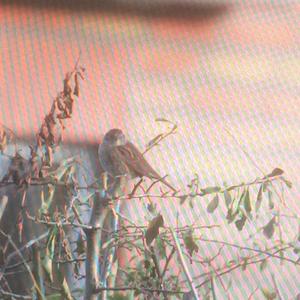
(13, 295)
(167, 262)
(36, 286)
(141, 289)
(254, 250)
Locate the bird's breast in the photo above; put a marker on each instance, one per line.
(110, 162)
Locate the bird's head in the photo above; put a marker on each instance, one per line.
(114, 137)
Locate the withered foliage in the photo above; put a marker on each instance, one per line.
(6, 137)
(48, 137)
(50, 134)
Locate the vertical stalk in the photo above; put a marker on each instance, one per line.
(3, 203)
(183, 264)
(93, 236)
(37, 271)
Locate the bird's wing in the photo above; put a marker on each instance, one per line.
(114, 162)
(135, 161)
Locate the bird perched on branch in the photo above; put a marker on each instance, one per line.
(120, 158)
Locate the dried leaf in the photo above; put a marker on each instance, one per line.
(269, 295)
(67, 85)
(76, 88)
(244, 264)
(6, 137)
(163, 120)
(153, 229)
(269, 229)
(213, 204)
(275, 172)
(154, 140)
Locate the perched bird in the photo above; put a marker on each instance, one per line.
(119, 158)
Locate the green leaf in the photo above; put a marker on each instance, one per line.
(190, 243)
(118, 296)
(271, 203)
(263, 265)
(191, 203)
(47, 201)
(259, 199)
(210, 190)
(47, 260)
(269, 229)
(247, 202)
(66, 290)
(235, 207)
(153, 229)
(229, 285)
(47, 265)
(240, 223)
(265, 186)
(287, 182)
(227, 197)
(213, 204)
(231, 215)
(161, 247)
(56, 296)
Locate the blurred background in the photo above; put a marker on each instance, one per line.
(209, 66)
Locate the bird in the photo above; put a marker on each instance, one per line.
(119, 157)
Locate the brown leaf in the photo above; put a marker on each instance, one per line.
(213, 204)
(6, 137)
(76, 89)
(67, 85)
(269, 229)
(153, 229)
(154, 140)
(275, 172)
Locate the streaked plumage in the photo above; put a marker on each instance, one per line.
(119, 157)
